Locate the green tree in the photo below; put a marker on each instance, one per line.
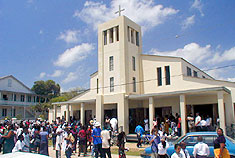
(47, 90)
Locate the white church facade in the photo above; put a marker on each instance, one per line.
(132, 86)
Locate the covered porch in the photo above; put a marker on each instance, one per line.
(216, 100)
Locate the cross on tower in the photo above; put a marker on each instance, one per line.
(119, 10)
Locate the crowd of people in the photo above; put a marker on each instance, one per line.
(67, 138)
(170, 125)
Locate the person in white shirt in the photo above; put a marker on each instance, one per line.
(183, 150)
(201, 150)
(19, 144)
(105, 136)
(162, 147)
(114, 123)
(160, 132)
(146, 124)
(177, 153)
(208, 122)
(59, 140)
(198, 122)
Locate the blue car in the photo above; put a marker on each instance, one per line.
(191, 139)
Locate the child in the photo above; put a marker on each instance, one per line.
(177, 153)
(155, 140)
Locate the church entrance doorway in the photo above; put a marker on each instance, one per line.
(136, 117)
(204, 110)
(88, 116)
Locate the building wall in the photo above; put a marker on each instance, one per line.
(15, 86)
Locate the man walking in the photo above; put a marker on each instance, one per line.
(105, 136)
(139, 131)
(97, 141)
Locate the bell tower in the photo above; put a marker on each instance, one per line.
(119, 49)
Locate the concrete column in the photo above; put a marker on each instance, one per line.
(114, 34)
(67, 113)
(25, 98)
(183, 114)
(220, 97)
(99, 109)
(123, 113)
(151, 112)
(229, 110)
(134, 38)
(82, 111)
(12, 111)
(55, 113)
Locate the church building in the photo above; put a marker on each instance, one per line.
(132, 86)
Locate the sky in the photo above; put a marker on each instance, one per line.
(41, 40)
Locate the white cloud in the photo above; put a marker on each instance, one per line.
(57, 73)
(41, 32)
(231, 79)
(192, 52)
(69, 36)
(73, 55)
(189, 21)
(144, 12)
(198, 5)
(42, 75)
(70, 77)
(227, 55)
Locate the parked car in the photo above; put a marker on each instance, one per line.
(191, 139)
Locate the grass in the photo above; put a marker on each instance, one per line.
(130, 152)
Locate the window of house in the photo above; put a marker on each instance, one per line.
(132, 36)
(5, 97)
(134, 84)
(159, 76)
(128, 33)
(4, 112)
(29, 98)
(34, 99)
(111, 84)
(105, 37)
(137, 39)
(117, 33)
(111, 63)
(167, 74)
(22, 98)
(133, 63)
(195, 73)
(189, 72)
(14, 97)
(111, 35)
(37, 99)
(9, 82)
(97, 82)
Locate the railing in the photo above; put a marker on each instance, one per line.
(16, 103)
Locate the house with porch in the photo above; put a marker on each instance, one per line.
(132, 86)
(16, 99)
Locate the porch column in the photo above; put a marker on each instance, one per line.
(151, 112)
(220, 97)
(114, 34)
(67, 113)
(82, 111)
(123, 113)
(12, 111)
(99, 109)
(183, 114)
(55, 113)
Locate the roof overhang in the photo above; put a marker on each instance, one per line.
(74, 102)
(190, 91)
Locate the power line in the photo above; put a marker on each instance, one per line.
(155, 79)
